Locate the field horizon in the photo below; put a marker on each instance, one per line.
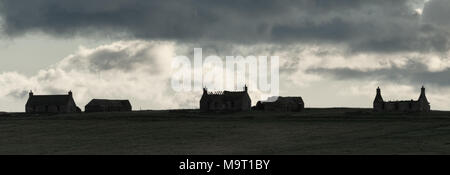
(186, 132)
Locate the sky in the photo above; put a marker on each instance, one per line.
(332, 53)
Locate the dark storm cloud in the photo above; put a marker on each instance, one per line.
(115, 60)
(437, 12)
(413, 73)
(363, 25)
(120, 56)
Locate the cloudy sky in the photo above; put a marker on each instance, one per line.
(332, 53)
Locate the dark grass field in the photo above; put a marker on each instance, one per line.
(314, 131)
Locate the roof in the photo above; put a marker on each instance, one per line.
(226, 95)
(402, 101)
(49, 100)
(105, 102)
(286, 100)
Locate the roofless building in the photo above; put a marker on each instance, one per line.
(418, 105)
(225, 100)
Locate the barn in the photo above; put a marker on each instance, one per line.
(104, 105)
(285, 104)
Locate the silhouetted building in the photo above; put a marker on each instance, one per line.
(102, 105)
(286, 104)
(51, 104)
(225, 101)
(421, 104)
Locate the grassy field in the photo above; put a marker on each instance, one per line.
(314, 131)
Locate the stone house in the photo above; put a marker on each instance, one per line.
(225, 100)
(421, 104)
(51, 104)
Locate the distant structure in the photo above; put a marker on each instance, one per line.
(51, 104)
(225, 100)
(282, 104)
(421, 104)
(103, 105)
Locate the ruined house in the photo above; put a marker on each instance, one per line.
(103, 105)
(421, 104)
(51, 104)
(225, 100)
(285, 104)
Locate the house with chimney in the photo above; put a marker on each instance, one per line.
(51, 103)
(419, 105)
(225, 100)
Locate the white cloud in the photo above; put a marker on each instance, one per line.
(141, 71)
(135, 70)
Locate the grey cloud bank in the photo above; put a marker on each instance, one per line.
(362, 25)
(413, 73)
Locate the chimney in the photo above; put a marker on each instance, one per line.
(378, 97)
(205, 91)
(422, 91)
(70, 93)
(31, 93)
(245, 88)
(422, 97)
